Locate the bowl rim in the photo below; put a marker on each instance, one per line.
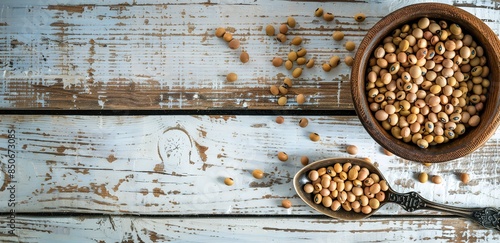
(443, 152)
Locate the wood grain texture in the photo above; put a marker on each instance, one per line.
(249, 229)
(159, 178)
(143, 55)
(170, 165)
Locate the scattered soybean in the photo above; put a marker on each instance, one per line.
(270, 31)
(291, 22)
(282, 100)
(304, 160)
(338, 35)
(360, 17)
(328, 16)
(314, 137)
(231, 77)
(300, 99)
(244, 57)
(464, 177)
(286, 203)
(423, 177)
(350, 46)
(282, 156)
(277, 61)
(219, 32)
(436, 179)
(229, 181)
(318, 12)
(258, 174)
(234, 44)
(352, 149)
(303, 122)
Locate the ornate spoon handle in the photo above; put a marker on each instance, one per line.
(411, 201)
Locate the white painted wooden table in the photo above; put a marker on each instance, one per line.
(121, 126)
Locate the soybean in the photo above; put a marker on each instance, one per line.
(326, 67)
(334, 61)
(314, 137)
(231, 77)
(360, 17)
(219, 32)
(465, 178)
(297, 72)
(350, 46)
(274, 89)
(328, 16)
(301, 61)
(227, 36)
(283, 28)
(436, 179)
(352, 149)
(310, 63)
(349, 60)
(280, 119)
(270, 31)
(283, 89)
(318, 12)
(277, 61)
(286, 203)
(282, 100)
(300, 99)
(308, 188)
(228, 181)
(287, 82)
(304, 160)
(281, 37)
(423, 177)
(234, 44)
(258, 174)
(291, 22)
(282, 156)
(301, 52)
(296, 40)
(244, 57)
(338, 35)
(292, 56)
(303, 122)
(387, 152)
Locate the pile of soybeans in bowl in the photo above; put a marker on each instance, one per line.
(426, 83)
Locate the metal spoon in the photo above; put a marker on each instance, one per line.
(411, 201)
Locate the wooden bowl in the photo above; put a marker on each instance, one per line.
(490, 117)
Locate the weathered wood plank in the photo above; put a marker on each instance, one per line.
(176, 164)
(144, 55)
(249, 229)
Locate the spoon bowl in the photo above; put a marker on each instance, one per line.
(301, 179)
(411, 201)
